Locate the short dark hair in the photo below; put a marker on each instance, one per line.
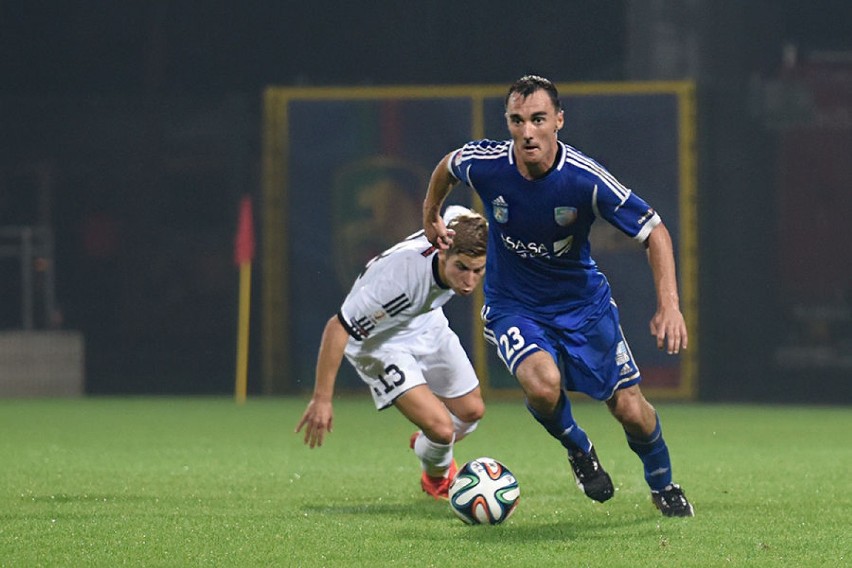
(471, 236)
(528, 84)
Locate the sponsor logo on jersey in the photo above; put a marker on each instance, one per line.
(525, 250)
(537, 250)
(562, 246)
(564, 216)
(501, 210)
(648, 214)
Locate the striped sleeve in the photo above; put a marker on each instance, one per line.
(463, 158)
(613, 201)
(363, 316)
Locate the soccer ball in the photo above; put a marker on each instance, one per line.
(484, 492)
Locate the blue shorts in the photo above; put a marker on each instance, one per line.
(595, 360)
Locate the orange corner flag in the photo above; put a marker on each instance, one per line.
(244, 243)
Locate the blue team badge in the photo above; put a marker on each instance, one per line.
(501, 210)
(564, 216)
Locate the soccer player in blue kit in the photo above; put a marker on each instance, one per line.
(548, 308)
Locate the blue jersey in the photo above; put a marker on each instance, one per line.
(539, 257)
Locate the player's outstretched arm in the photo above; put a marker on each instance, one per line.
(318, 417)
(440, 184)
(667, 325)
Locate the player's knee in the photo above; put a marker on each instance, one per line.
(542, 393)
(628, 416)
(440, 431)
(466, 422)
(634, 412)
(541, 381)
(472, 412)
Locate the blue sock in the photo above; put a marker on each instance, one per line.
(563, 427)
(655, 457)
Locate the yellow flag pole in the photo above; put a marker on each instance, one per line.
(241, 381)
(243, 254)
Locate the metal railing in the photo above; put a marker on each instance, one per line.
(33, 245)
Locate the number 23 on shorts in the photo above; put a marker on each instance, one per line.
(511, 342)
(513, 346)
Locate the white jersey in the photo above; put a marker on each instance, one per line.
(399, 335)
(397, 297)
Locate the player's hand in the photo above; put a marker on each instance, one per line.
(669, 327)
(438, 233)
(317, 421)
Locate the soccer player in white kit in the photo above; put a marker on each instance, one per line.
(392, 329)
(548, 307)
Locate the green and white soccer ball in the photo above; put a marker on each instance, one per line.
(484, 492)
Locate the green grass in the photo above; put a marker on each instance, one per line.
(204, 482)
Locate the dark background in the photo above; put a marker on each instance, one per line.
(132, 129)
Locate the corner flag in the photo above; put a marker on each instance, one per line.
(243, 256)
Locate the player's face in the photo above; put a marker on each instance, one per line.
(461, 272)
(533, 123)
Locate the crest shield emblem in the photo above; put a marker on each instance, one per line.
(564, 216)
(501, 210)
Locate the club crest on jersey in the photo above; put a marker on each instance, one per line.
(501, 210)
(564, 216)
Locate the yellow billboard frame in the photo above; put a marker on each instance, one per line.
(275, 253)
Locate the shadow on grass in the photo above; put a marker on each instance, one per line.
(526, 531)
(81, 506)
(434, 518)
(427, 510)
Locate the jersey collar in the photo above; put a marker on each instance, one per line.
(557, 163)
(436, 273)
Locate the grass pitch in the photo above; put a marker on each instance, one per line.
(204, 482)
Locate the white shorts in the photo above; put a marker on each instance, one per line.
(434, 358)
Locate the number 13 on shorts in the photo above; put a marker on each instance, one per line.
(391, 379)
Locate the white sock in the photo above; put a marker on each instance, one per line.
(462, 428)
(435, 459)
